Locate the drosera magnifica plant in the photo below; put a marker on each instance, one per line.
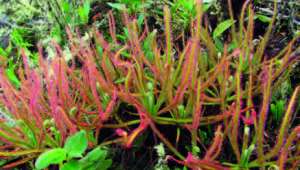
(204, 86)
(49, 106)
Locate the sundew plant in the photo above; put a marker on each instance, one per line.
(214, 90)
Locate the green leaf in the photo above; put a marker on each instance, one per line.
(3, 53)
(95, 160)
(120, 80)
(181, 111)
(148, 44)
(83, 12)
(3, 162)
(94, 155)
(223, 26)
(244, 163)
(28, 132)
(280, 107)
(117, 6)
(187, 4)
(219, 44)
(99, 50)
(10, 73)
(273, 109)
(17, 38)
(76, 145)
(263, 18)
(56, 33)
(233, 45)
(204, 136)
(277, 110)
(71, 165)
(205, 7)
(195, 150)
(140, 20)
(54, 156)
(66, 8)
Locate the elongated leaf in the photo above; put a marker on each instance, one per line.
(84, 11)
(223, 26)
(12, 77)
(117, 6)
(28, 132)
(54, 156)
(147, 45)
(263, 18)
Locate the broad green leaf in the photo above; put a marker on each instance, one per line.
(71, 165)
(76, 145)
(100, 165)
(223, 26)
(54, 156)
(94, 155)
(95, 160)
(104, 165)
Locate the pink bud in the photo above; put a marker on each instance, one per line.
(121, 132)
